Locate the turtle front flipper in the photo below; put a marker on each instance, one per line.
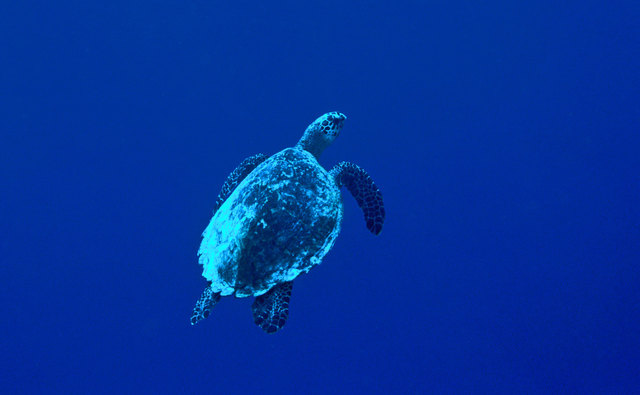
(364, 190)
(204, 305)
(237, 176)
(271, 310)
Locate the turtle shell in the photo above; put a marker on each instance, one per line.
(279, 222)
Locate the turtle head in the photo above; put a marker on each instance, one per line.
(322, 132)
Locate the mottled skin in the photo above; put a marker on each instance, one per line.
(276, 218)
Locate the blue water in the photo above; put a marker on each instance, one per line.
(503, 135)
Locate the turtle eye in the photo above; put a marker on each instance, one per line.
(329, 124)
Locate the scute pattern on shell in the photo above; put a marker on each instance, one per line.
(236, 176)
(279, 222)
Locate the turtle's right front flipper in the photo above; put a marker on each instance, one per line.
(364, 190)
(237, 176)
(204, 305)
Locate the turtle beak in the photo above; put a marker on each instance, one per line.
(337, 118)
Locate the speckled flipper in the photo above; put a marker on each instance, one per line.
(364, 190)
(270, 311)
(237, 176)
(204, 305)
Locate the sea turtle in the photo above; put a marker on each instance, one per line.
(277, 217)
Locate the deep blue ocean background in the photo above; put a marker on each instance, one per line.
(504, 136)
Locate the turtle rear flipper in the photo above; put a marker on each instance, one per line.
(364, 190)
(271, 310)
(204, 305)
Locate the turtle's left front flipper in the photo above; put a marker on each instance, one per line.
(204, 305)
(364, 190)
(236, 177)
(271, 310)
